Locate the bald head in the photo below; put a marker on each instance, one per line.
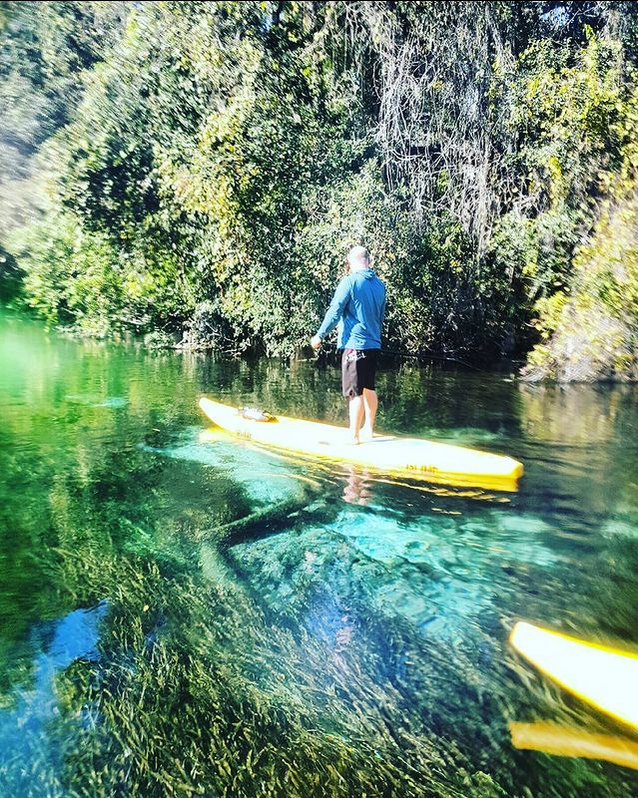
(358, 258)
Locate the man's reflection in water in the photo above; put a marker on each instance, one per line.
(357, 489)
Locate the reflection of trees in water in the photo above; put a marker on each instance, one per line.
(584, 438)
(413, 400)
(573, 414)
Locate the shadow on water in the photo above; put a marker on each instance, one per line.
(183, 614)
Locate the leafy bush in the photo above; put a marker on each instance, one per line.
(594, 332)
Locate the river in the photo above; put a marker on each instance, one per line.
(350, 638)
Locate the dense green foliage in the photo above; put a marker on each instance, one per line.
(207, 166)
(46, 50)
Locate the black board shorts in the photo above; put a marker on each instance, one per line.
(358, 371)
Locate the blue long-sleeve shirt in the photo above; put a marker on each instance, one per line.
(357, 309)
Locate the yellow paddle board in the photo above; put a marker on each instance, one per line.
(604, 677)
(386, 453)
(563, 741)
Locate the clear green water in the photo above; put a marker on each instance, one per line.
(350, 637)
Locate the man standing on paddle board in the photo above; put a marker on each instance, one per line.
(357, 310)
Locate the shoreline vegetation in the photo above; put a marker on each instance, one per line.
(194, 173)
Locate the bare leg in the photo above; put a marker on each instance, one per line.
(371, 403)
(356, 410)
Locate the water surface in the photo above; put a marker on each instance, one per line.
(182, 613)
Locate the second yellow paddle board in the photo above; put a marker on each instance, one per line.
(389, 454)
(606, 678)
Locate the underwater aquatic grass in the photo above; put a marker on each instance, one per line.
(209, 684)
(186, 712)
(199, 690)
(195, 692)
